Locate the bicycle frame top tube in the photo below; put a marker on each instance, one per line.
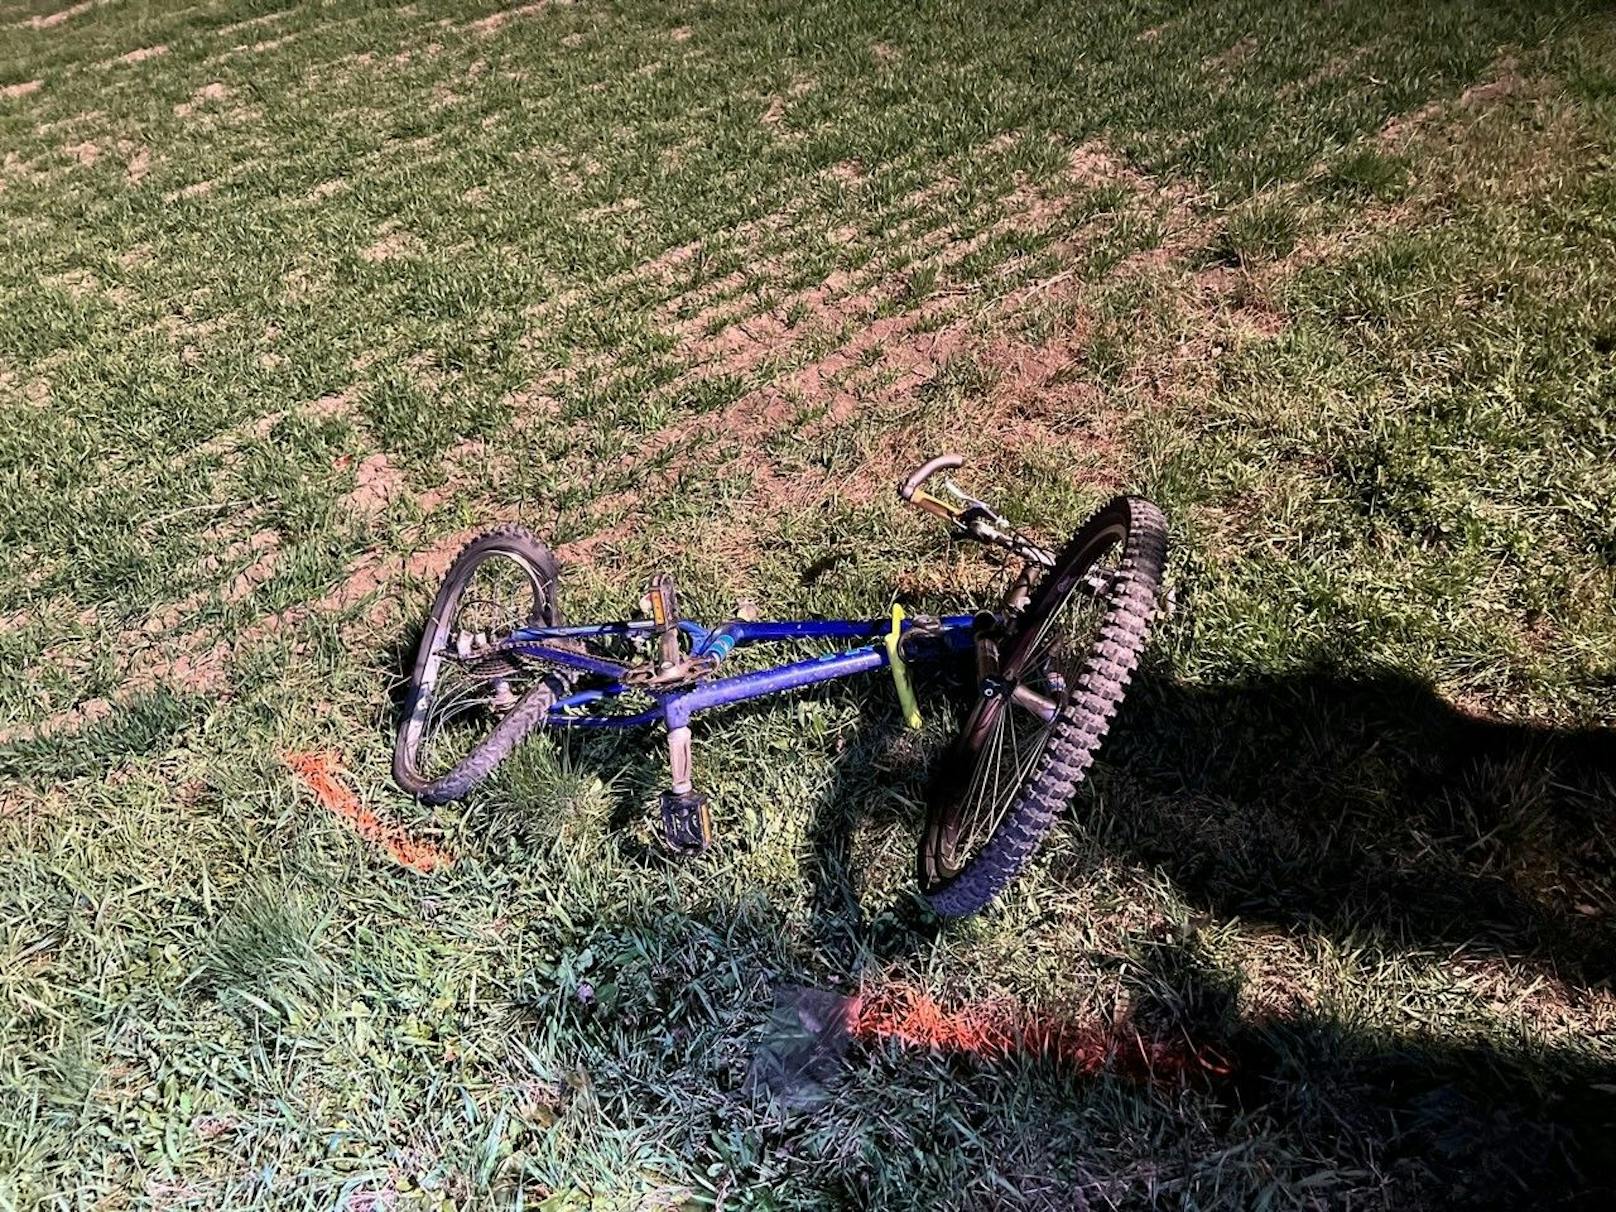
(675, 707)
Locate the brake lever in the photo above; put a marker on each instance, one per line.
(972, 518)
(980, 521)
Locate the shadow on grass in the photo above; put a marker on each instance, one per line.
(1370, 807)
(1450, 1122)
(1371, 812)
(881, 780)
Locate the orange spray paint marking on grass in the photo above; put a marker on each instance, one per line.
(998, 1028)
(320, 772)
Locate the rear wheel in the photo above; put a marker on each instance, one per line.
(470, 704)
(1063, 667)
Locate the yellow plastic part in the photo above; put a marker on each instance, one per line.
(900, 671)
(935, 505)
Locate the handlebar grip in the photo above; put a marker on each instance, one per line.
(925, 471)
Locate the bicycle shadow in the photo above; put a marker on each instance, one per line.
(880, 784)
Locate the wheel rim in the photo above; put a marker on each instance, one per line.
(1004, 736)
(463, 687)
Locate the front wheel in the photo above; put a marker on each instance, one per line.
(1062, 668)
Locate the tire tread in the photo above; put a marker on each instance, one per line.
(1083, 722)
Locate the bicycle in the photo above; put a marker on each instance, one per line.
(1051, 662)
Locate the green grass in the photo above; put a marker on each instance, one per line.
(689, 286)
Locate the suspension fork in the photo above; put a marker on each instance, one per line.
(1020, 591)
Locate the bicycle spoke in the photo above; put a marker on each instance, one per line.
(979, 774)
(1066, 644)
(973, 794)
(985, 781)
(1061, 620)
(1015, 740)
(1022, 767)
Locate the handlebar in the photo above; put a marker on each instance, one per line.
(943, 462)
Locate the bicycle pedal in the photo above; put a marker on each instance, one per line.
(687, 825)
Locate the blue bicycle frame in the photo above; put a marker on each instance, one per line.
(666, 668)
(676, 706)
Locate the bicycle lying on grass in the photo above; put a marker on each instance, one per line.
(1052, 662)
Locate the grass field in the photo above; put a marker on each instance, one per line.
(294, 299)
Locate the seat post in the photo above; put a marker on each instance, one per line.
(687, 824)
(661, 602)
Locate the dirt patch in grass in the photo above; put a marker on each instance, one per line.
(335, 404)
(21, 89)
(390, 245)
(158, 655)
(236, 27)
(268, 44)
(52, 20)
(62, 723)
(1093, 163)
(1336, 68)
(326, 189)
(75, 283)
(1506, 82)
(1238, 53)
(590, 550)
(494, 22)
(844, 302)
(848, 172)
(141, 54)
(214, 93)
(151, 662)
(376, 484)
(718, 325)
(265, 548)
(1454, 143)
(137, 165)
(197, 189)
